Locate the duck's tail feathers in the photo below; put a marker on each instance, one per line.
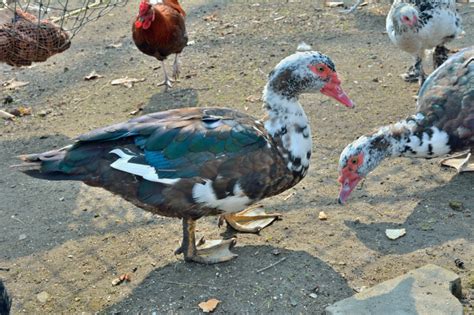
(46, 165)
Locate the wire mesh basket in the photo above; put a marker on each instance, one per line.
(34, 30)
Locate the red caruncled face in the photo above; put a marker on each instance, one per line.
(333, 87)
(349, 178)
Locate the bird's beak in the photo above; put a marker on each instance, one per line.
(333, 89)
(347, 185)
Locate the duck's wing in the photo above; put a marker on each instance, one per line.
(447, 98)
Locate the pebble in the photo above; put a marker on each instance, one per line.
(322, 216)
(22, 237)
(43, 297)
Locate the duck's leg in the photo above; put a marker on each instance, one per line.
(463, 162)
(206, 252)
(415, 72)
(251, 220)
(166, 82)
(176, 70)
(440, 55)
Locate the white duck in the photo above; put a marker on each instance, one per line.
(417, 25)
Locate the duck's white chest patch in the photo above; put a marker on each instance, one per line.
(205, 195)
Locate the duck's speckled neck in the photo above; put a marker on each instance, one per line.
(288, 125)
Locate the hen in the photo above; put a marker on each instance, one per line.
(194, 162)
(24, 39)
(444, 124)
(417, 25)
(159, 31)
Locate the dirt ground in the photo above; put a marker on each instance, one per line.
(66, 242)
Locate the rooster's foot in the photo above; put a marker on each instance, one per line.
(463, 162)
(251, 220)
(167, 83)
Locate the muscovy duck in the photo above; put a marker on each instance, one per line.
(5, 300)
(194, 162)
(443, 124)
(417, 25)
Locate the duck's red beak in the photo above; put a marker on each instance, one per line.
(333, 89)
(349, 181)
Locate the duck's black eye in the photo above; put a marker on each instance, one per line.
(320, 69)
(354, 160)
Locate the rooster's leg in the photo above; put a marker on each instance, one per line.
(167, 81)
(251, 220)
(351, 9)
(463, 162)
(176, 70)
(414, 72)
(205, 252)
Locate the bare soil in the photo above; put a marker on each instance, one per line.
(71, 241)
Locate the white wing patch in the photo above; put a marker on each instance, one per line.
(204, 193)
(146, 171)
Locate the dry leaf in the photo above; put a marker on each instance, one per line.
(93, 75)
(20, 111)
(128, 82)
(123, 278)
(211, 17)
(12, 84)
(322, 216)
(118, 45)
(252, 98)
(333, 4)
(209, 306)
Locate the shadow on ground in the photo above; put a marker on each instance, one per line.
(432, 220)
(283, 288)
(38, 215)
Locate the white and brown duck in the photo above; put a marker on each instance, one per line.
(195, 162)
(417, 25)
(443, 124)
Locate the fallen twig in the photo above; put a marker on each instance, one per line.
(189, 284)
(272, 265)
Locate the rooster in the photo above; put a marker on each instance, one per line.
(159, 31)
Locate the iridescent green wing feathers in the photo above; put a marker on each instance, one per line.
(178, 142)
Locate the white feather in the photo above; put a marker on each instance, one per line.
(204, 193)
(146, 171)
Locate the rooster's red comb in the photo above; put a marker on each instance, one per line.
(144, 7)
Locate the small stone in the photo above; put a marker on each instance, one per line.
(22, 237)
(393, 234)
(276, 252)
(42, 113)
(43, 297)
(293, 302)
(322, 216)
(313, 295)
